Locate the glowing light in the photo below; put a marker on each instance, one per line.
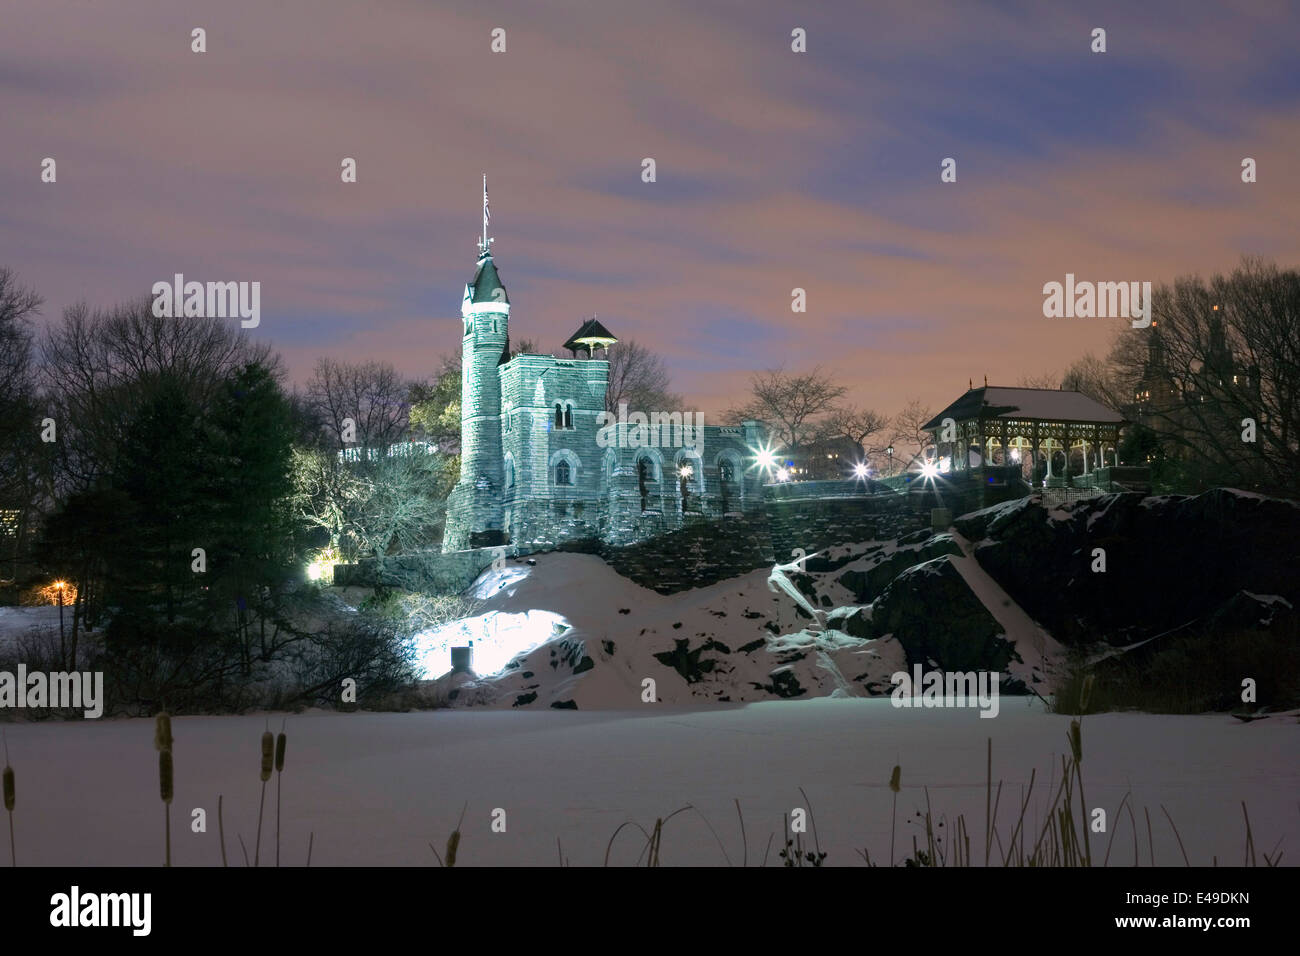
(1015, 454)
(860, 470)
(498, 637)
(929, 470)
(764, 458)
(686, 471)
(782, 474)
(321, 567)
(59, 592)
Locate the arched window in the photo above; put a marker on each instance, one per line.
(510, 473)
(562, 474)
(568, 416)
(559, 416)
(725, 470)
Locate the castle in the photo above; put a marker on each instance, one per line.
(543, 462)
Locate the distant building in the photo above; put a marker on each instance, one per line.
(826, 460)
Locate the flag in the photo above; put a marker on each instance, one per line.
(487, 215)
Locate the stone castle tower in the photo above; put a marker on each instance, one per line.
(474, 510)
(542, 461)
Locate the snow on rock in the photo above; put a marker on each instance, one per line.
(733, 641)
(730, 642)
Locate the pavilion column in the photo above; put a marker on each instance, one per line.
(1085, 458)
(1002, 437)
(1033, 463)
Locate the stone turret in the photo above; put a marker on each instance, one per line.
(474, 510)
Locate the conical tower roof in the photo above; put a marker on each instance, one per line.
(486, 285)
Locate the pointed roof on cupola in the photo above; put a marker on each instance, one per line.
(592, 335)
(486, 283)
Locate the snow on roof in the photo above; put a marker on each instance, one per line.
(1046, 404)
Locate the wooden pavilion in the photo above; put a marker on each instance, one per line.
(1028, 426)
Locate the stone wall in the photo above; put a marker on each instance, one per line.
(672, 552)
(816, 523)
(702, 552)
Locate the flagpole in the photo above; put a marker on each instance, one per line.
(484, 247)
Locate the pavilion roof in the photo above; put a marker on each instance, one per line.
(1026, 404)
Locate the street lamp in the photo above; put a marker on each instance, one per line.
(60, 587)
(890, 452)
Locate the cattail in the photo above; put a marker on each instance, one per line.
(893, 814)
(1085, 693)
(1076, 741)
(453, 842)
(165, 775)
(165, 788)
(9, 803)
(279, 770)
(268, 757)
(162, 732)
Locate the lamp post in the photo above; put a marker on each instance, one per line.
(59, 587)
(890, 452)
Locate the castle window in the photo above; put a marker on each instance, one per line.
(725, 471)
(562, 474)
(568, 416)
(559, 416)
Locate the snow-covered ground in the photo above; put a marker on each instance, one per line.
(21, 622)
(748, 637)
(377, 788)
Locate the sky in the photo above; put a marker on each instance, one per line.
(775, 170)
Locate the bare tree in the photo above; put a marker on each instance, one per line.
(639, 378)
(1094, 377)
(907, 435)
(402, 503)
(1045, 380)
(370, 394)
(1221, 364)
(17, 308)
(525, 347)
(383, 504)
(22, 475)
(794, 407)
(857, 425)
(100, 367)
(325, 490)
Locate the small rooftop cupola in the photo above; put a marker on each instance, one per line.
(592, 335)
